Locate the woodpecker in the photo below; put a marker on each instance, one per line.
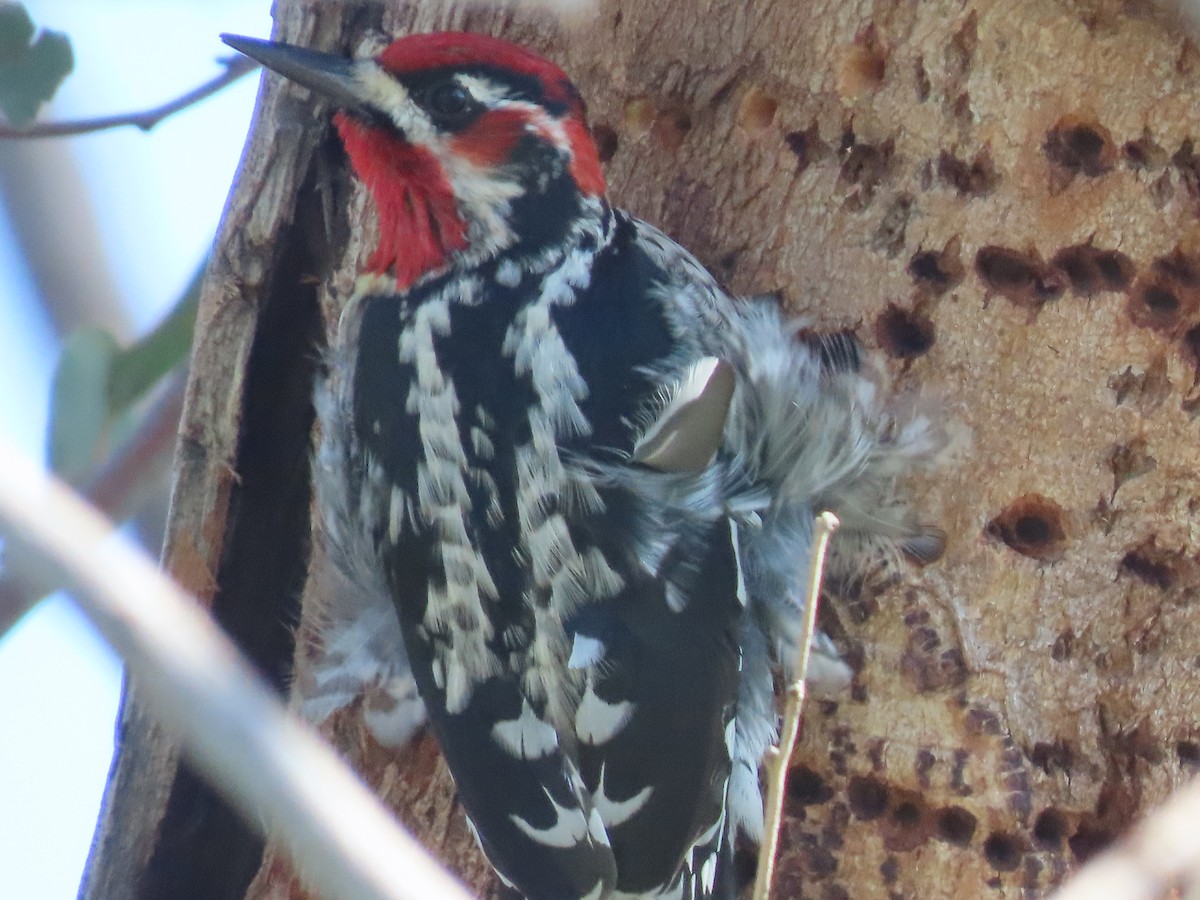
(568, 483)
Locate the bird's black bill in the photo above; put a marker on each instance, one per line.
(331, 76)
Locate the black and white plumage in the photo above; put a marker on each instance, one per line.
(568, 483)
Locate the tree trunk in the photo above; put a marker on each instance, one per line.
(1003, 199)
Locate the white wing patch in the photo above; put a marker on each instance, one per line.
(597, 722)
(708, 873)
(708, 867)
(736, 539)
(617, 812)
(596, 827)
(527, 736)
(585, 651)
(569, 829)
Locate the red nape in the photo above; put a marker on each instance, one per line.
(585, 159)
(491, 139)
(419, 224)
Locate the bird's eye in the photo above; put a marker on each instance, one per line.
(449, 100)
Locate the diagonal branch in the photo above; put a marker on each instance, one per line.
(235, 68)
(280, 776)
(779, 757)
(111, 490)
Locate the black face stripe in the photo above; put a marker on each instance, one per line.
(372, 119)
(515, 84)
(432, 95)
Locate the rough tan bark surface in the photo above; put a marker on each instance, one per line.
(1002, 197)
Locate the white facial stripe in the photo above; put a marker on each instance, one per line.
(541, 123)
(387, 94)
(384, 93)
(486, 92)
(486, 198)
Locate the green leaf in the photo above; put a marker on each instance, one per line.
(142, 365)
(16, 31)
(98, 386)
(79, 407)
(30, 73)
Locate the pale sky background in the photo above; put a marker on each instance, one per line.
(156, 199)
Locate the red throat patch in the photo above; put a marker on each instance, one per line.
(419, 224)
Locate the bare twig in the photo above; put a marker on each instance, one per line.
(280, 776)
(235, 68)
(1161, 851)
(777, 757)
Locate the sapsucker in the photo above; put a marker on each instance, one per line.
(568, 482)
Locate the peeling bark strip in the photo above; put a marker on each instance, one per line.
(818, 149)
(237, 536)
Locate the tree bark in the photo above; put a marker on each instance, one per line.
(1002, 198)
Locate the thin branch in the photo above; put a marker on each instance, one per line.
(777, 758)
(275, 771)
(235, 68)
(112, 490)
(117, 484)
